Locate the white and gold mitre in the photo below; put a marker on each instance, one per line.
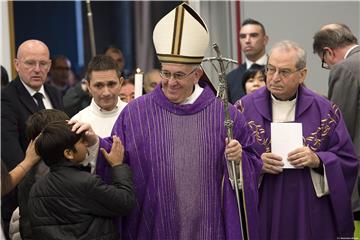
(181, 36)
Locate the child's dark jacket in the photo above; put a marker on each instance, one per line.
(69, 203)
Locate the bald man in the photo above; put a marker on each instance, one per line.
(18, 102)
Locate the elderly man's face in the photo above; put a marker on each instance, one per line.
(178, 90)
(282, 77)
(33, 63)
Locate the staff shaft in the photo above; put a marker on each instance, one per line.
(91, 29)
(229, 131)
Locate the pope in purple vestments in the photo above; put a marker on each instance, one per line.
(174, 140)
(290, 206)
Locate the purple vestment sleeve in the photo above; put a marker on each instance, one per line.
(340, 171)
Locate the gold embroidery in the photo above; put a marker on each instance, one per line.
(240, 106)
(315, 139)
(259, 134)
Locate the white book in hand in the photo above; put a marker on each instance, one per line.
(285, 137)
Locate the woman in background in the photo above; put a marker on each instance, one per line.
(254, 78)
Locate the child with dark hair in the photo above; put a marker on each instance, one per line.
(69, 203)
(37, 121)
(34, 125)
(254, 78)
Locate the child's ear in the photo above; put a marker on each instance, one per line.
(68, 154)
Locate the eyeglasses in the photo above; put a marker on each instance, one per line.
(323, 63)
(176, 76)
(31, 64)
(283, 73)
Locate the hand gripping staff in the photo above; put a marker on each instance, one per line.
(228, 123)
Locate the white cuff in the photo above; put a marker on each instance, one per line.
(92, 156)
(320, 183)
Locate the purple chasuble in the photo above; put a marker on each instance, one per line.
(176, 153)
(289, 207)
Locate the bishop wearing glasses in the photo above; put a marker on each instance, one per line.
(312, 199)
(175, 144)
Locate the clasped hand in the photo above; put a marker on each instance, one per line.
(300, 157)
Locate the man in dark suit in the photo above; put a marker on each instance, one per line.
(24, 96)
(339, 51)
(253, 40)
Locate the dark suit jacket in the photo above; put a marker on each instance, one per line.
(16, 106)
(234, 80)
(344, 91)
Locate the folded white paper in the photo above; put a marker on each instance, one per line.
(285, 137)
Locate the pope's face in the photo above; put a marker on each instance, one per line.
(175, 89)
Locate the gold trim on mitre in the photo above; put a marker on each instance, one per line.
(176, 59)
(178, 26)
(181, 36)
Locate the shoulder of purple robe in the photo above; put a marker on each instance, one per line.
(255, 103)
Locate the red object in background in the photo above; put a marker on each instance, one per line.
(238, 26)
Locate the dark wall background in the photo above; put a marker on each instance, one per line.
(113, 24)
(63, 26)
(51, 22)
